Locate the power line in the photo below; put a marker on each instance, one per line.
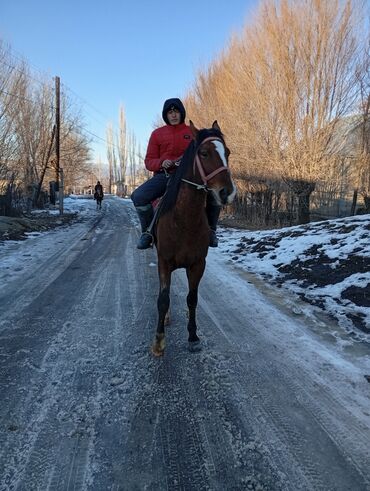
(20, 97)
(23, 72)
(22, 59)
(86, 102)
(91, 116)
(108, 144)
(82, 129)
(103, 117)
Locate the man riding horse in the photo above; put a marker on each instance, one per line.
(166, 146)
(98, 195)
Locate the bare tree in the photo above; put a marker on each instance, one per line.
(280, 89)
(122, 152)
(26, 129)
(33, 128)
(75, 144)
(111, 156)
(10, 79)
(132, 161)
(362, 159)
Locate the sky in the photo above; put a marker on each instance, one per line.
(135, 53)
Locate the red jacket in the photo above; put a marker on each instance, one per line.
(167, 142)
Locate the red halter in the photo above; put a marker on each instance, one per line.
(206, 178)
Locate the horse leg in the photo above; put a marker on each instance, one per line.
(194, 274)
(163, 304)
(167, 319)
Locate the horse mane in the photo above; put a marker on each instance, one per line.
(169, 199)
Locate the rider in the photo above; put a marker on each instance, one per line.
(166, 145)
(98, 189)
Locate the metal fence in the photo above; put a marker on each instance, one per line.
(15, 201)
(278, 206)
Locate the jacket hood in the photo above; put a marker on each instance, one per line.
(178, 104)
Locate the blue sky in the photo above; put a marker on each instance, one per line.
(137, 53)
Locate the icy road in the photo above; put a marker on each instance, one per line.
(269, 404)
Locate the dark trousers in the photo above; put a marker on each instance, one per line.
(150, 190)
(154, 188)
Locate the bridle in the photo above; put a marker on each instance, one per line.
(197, 162)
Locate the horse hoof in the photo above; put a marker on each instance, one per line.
(157, 352)
(159, 345)
(194, 346)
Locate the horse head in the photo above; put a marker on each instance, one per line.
(211, 163)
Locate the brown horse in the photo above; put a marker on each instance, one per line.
(182, 232)
(98, 195)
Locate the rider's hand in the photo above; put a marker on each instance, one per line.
(167, 164)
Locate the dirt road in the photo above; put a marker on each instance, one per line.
(84, 405)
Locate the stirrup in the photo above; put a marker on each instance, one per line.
(213, 239)
(145, 241)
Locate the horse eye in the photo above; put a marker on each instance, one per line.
(203, 153)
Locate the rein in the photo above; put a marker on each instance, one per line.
(205, 178)
(198, 186)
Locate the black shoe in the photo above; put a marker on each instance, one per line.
(145, 241)
(213, 240)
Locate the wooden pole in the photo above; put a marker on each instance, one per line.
(61, 192)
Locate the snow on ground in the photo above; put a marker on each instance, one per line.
(81, 204)
(326, 264)
(23, 257)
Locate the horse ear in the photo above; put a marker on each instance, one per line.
(193, 129)
(215, 126)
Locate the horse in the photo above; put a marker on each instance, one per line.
(98, 195)
(182, 231)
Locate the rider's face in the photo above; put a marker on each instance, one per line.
(174, 116)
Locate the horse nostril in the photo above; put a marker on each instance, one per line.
(223, 195)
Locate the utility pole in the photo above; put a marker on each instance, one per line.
(61, 192)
